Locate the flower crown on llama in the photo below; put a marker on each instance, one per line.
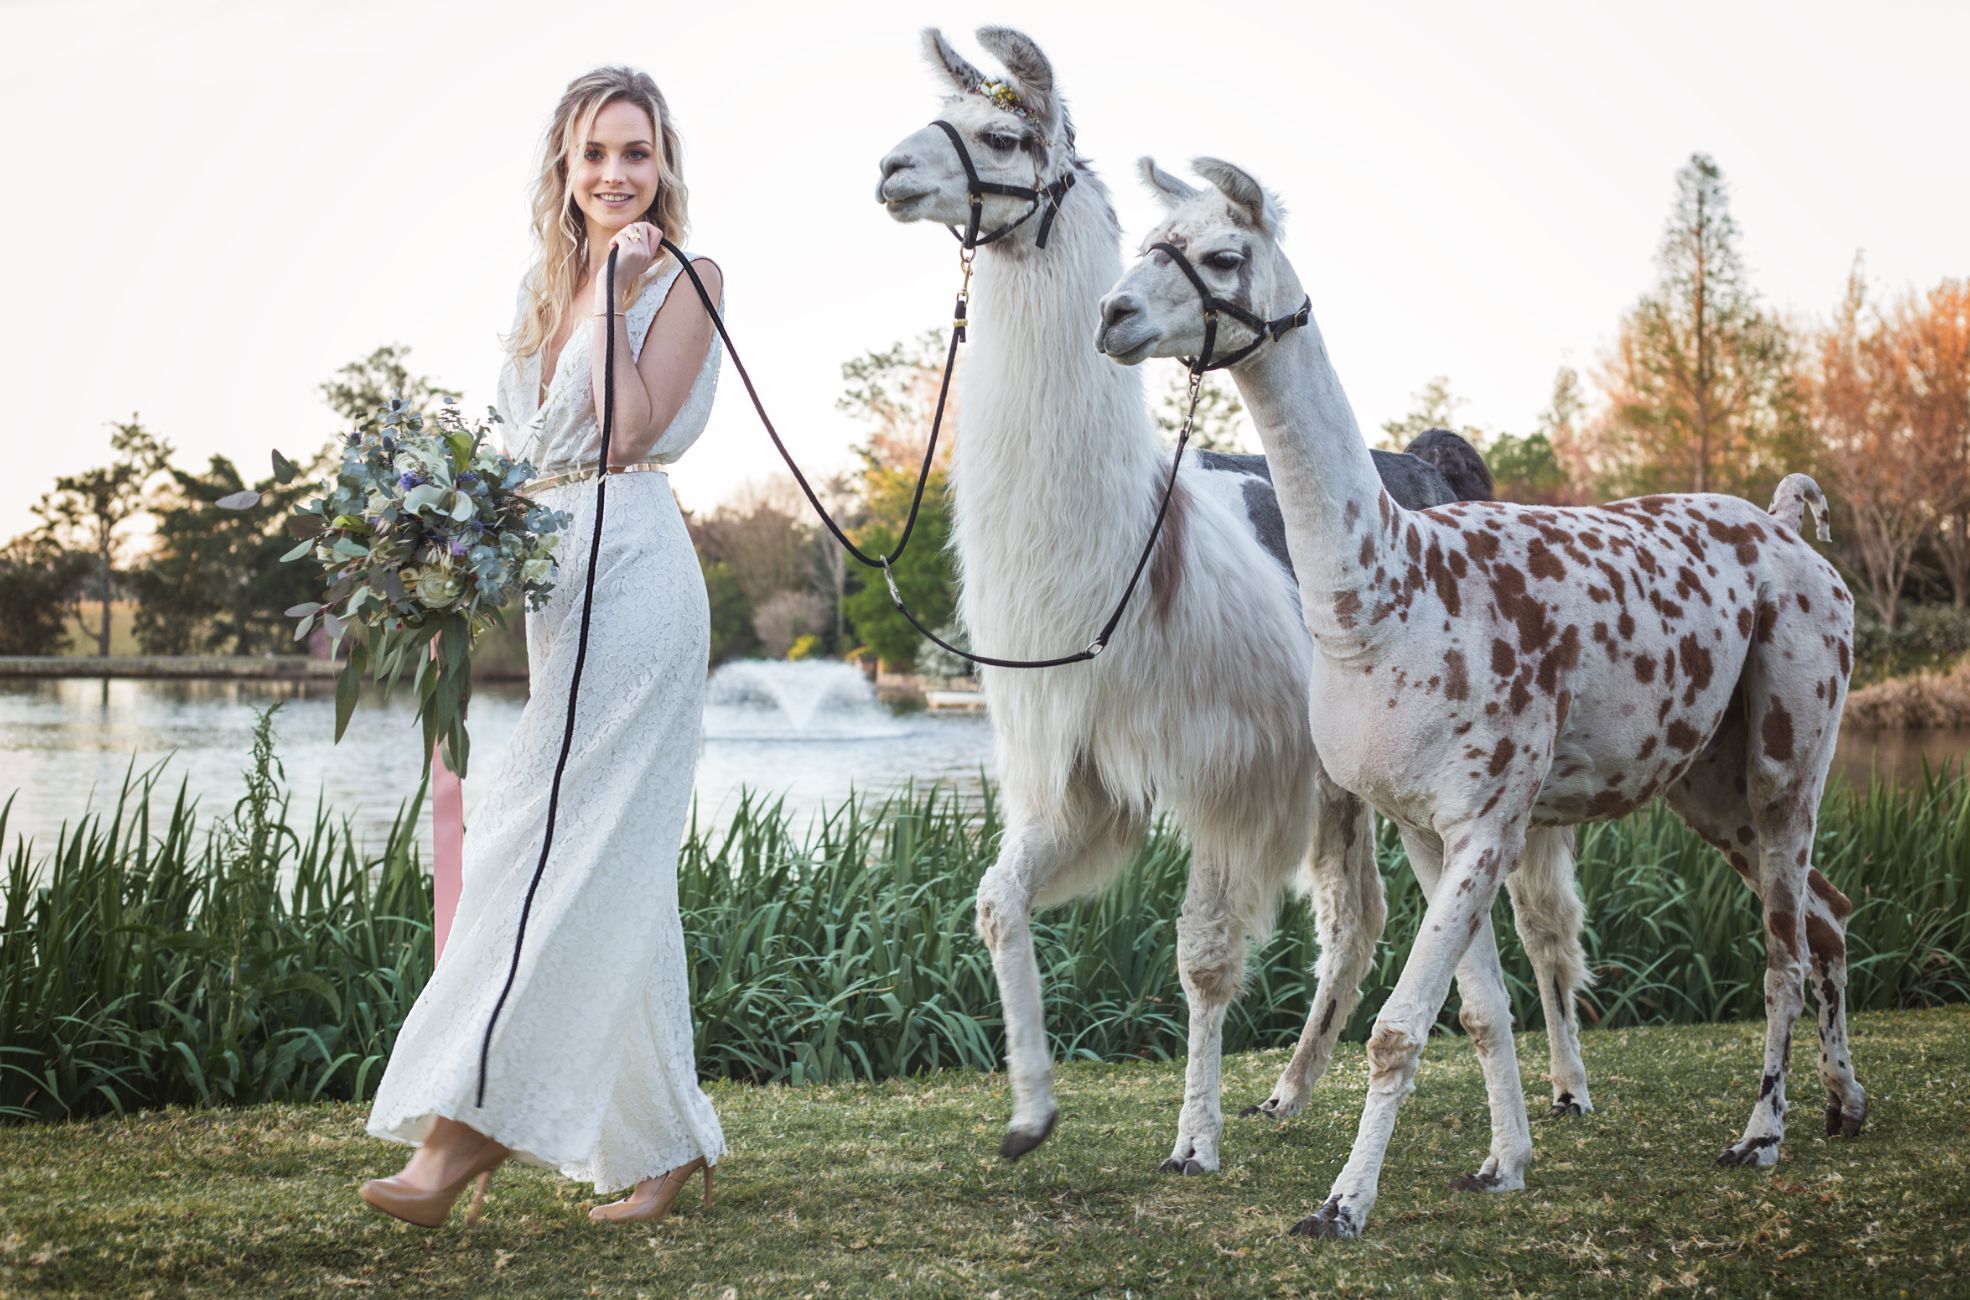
(1003, 96)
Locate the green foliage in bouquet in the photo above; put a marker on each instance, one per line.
(423, 537)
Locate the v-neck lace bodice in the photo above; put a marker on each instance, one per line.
(561, 431)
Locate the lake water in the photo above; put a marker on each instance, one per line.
(808, 732)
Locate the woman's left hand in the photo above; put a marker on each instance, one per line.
(637, 246)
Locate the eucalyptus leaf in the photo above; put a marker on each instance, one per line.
(284, 470)
(302, 628)
(302, 610)
(348, 687)
(304, 525)
(245, 500)
(353, 550)
(301, 548)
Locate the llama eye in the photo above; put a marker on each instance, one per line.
(1224, 261)
(999, 143)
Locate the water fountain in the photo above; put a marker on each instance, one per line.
(758, 699)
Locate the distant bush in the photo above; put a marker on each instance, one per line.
(1924, 636)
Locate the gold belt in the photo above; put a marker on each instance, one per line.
(587, 472)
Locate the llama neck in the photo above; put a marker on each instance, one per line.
(1057, 456)
(1341, 528)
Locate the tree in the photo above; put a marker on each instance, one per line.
(894, 392)
(1430, 407)
(1220, 424)
(1891, 397)
(1930, 361)
(1565, 423)
(786, 617)
(40, 581)
(215, 583)
(358, 390)
(732, 635)
(88, 511)
(1701, 382)
(1526, 469)
(925, 574)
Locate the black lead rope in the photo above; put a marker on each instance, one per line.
(574, 686)
(884, 563)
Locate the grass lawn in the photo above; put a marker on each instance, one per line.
(895, 1189)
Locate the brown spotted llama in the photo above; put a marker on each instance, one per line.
(1483, 670)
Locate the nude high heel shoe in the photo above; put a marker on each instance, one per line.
(430, 1209)
(668, 1188)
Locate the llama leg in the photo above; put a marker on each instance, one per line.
(1211, 962)
(1486, 1015)
(1826, 941)
(1033, 858)
(1460, 906)
(1782, 878)
(1349, 910)
(1547, 911)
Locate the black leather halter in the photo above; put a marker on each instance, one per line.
(1035, 198)
(1263, 331)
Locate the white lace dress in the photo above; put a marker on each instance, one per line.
(591, 1069)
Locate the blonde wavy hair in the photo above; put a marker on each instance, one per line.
(560, 234)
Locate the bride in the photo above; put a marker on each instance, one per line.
(587, 1064)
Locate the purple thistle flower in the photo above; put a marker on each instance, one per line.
(457, 546)
(467, 479)
(409, 479)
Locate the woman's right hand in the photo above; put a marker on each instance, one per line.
(638, 246)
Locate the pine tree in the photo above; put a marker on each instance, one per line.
(1701, 384)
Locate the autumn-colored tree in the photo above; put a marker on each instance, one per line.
(1891, 398)
(1701, 385)
(90, 511)
(1930, 351)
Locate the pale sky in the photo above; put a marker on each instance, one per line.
(212, 206)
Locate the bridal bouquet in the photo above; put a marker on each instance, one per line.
(423, 536)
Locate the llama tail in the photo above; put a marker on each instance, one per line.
(1459, 463)
(1797, 493)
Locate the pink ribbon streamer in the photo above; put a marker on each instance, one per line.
(447, 842)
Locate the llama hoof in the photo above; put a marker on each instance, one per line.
(1188, 1168)
(1483, 1181)
(1019, 1141)
(1566, 1105)
(1273, 1107)
(1844, 1122)
(1331, 1221)
(1758, 1152)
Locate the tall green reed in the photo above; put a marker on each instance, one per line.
(143, 963)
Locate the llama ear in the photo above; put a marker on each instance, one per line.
(1028, 67)
(1165, 186)
(949, 61)
(1250, 198)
